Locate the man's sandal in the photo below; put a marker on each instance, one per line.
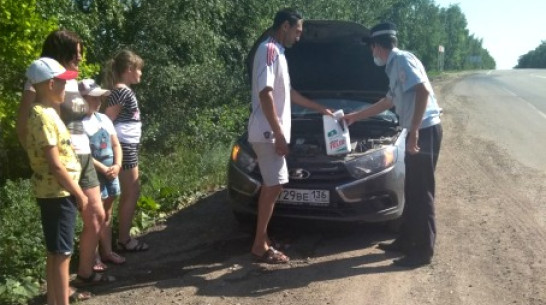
(93, 279)
(278, 245)
(133, 245)
(272, 256)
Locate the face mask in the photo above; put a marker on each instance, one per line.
(378, 61)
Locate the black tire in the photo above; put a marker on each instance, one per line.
(394, 226)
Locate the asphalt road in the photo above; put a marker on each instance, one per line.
(491, 216)
(509, 108)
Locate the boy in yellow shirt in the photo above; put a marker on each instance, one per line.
(56, 172)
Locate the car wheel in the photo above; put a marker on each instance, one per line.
(394, 226)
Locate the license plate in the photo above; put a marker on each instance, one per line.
(305, 197)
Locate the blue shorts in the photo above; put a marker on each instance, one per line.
(58, 223)
(108, 188)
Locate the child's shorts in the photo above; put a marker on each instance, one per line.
(108, 188)
(130, 155)
(88, 178)
(58, 223)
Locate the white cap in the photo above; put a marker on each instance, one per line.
(89, 87)
(46, 68)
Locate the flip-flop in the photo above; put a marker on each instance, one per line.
(272, 256)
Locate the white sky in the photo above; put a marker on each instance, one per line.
(508, 28)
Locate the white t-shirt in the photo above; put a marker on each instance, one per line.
(75, 101)
(270, 69)
(91, 124)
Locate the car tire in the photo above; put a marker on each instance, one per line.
(394, 226)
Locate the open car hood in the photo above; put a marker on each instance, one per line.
(334, 56)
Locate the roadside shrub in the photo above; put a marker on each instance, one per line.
(22, 254)
(192, 163)
(172, 182)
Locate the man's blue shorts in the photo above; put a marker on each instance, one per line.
(58, 223)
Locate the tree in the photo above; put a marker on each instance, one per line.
(456, 37)
(533, 59)
(23, 29)
(419, 25)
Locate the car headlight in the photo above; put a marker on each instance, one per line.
(242, 159)
(373, 162)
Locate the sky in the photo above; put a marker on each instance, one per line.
(508, 28)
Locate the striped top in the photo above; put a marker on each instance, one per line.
(129, 105)
(127, 123)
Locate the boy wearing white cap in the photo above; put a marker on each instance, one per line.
(107, 157)
(56, 172)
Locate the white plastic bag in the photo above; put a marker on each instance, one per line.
(336, 134)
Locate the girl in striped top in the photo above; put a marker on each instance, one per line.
(122, 71)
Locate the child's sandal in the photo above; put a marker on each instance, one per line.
(113, 258)
(133, 245)
(93, 279)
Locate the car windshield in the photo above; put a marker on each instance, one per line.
(347, 105)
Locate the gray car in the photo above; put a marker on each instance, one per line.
(331, 64)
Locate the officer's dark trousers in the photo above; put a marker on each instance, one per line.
(418, 231)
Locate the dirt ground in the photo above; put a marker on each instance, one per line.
(491, 246)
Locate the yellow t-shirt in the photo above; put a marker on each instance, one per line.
(45, 128)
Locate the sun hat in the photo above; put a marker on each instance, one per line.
(89, 87)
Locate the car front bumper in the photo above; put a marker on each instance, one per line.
(376, 198)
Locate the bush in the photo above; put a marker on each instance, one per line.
(22, 254)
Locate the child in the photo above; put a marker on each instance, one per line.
(124, 70)
(56, 172)
(106, 153)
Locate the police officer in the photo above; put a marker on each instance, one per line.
(410, 92)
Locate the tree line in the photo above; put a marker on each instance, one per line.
(533, 59)
(194, 51)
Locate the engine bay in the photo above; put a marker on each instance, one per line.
(307, 140)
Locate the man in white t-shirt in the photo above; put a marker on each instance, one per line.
(270, 122)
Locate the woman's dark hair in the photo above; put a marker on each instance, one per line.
(288, 14)
(62, 45)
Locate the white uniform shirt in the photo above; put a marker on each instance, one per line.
(270, 69)
(405, 71)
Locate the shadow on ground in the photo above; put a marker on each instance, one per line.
(204, 247)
